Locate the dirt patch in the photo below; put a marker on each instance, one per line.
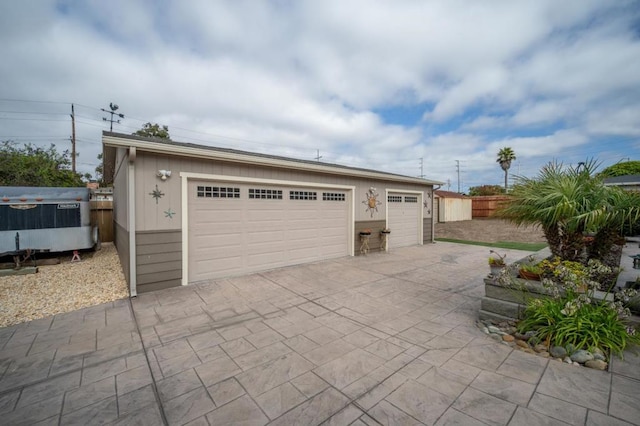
(489, 231)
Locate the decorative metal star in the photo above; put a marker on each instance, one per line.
(169, 213)
(157, 194)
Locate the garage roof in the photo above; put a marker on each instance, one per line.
(162, 146)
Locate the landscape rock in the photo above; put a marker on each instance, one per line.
(508, 338)
(540, 348)
(522, 344)
(581, 356)
(596, 364)
(598, 354)
(558, 352)
(496, 337)
(493, 329)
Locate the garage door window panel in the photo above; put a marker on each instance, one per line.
(333, 196)
(217, 192)
(303, 195)
(265, 194)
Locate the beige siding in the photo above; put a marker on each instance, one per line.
(158, 259)
(151, 215)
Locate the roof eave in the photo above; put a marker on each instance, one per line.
(248, 158)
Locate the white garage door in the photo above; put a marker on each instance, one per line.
(241, 228)
(404, 219)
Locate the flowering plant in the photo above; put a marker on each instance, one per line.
(496, 261)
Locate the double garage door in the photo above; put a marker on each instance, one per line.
(241, 228)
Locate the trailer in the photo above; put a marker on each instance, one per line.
(38, 219)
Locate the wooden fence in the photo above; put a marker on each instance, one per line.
(102, 216)
(486, 205)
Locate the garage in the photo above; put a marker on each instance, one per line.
(235, 228)
(186, 213)
(404, 218)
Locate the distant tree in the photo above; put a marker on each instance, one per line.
(35, 166)
(486, 190)
(505, 157)
(153, 131)
(621, 169)
(100, 170)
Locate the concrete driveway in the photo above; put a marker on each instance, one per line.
(384, 339)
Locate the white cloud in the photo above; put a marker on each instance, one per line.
(293, 77)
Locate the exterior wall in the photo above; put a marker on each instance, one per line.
(159, 220)
(121, 189)
(151, 213)
(120, 224)
(158, 259)
(454, 209)
(121, 240)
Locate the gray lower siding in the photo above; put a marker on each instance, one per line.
(158, 260)
(427, 235)
(121, 241)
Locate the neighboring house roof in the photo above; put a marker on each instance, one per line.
(632, 180)
(449, 194)
(162, 146)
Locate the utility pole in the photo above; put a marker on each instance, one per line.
(458, 170)
(73, 140)
(422, 167)
(448, 184)
(113, 108)
(318, 156)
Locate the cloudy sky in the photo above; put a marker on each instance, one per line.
(376, 84)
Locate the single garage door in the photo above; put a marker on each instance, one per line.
(242, 228)
(404, 219)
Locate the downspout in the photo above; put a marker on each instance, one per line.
(433, 213)
(131, 213)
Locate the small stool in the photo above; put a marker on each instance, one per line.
(76, 256)
(364, 243)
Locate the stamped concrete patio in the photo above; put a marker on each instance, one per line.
(383, 339)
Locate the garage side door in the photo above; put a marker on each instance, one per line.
(404, 219)
(241, 228)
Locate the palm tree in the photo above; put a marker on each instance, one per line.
(505, 157)
(569, 203)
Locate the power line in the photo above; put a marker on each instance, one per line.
(35, 102)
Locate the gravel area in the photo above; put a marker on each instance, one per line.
(65, 287)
